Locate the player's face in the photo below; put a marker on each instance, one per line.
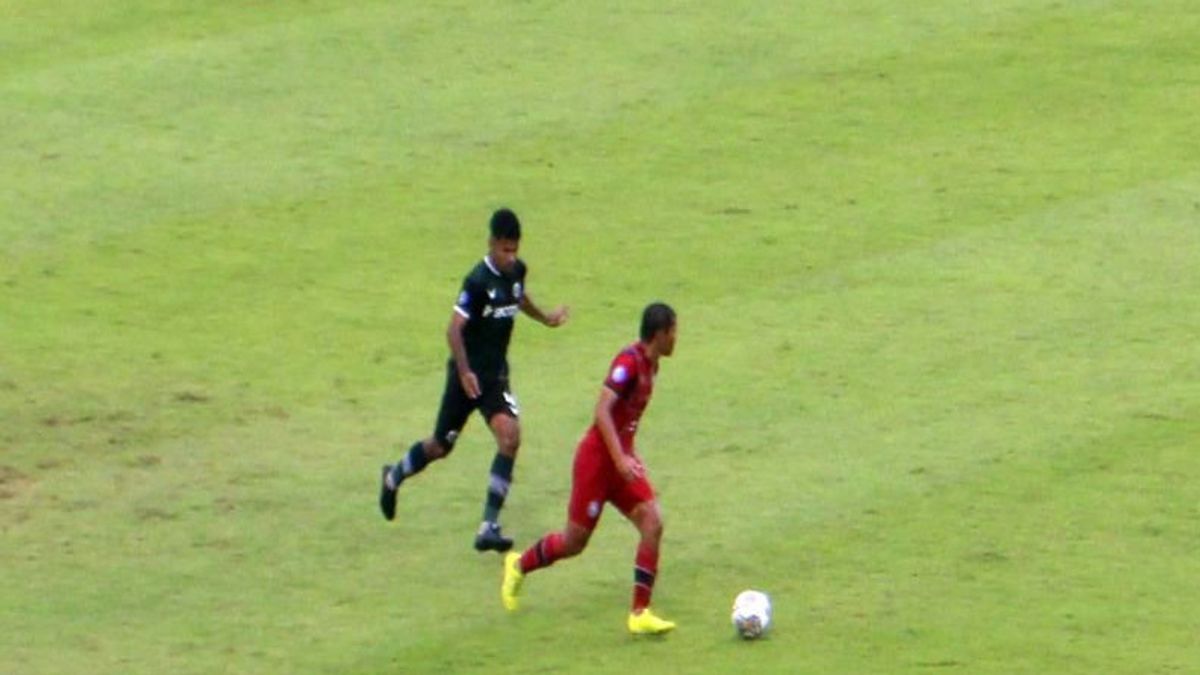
(666, 340)
(503, 253)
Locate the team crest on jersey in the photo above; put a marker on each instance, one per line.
(619, 374)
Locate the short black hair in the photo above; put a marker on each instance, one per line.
(505, 225)
(657, 316)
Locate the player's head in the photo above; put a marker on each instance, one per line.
(658, 327)
(504, 240)
(505, 225)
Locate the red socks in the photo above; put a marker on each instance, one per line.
(644, 571)
(544, 553)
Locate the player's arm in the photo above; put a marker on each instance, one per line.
(554, 319)
(458, 348)
(626, 465)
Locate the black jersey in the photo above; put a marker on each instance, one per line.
(489, 301)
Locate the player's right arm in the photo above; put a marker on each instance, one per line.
(469, 304)
(458, 348)
(626, 465)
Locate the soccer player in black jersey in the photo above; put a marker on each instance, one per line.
(477, 375)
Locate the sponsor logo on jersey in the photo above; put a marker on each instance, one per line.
(501, 312)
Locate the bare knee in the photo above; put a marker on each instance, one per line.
(650, 526)
(510, 445)
(652, 531)
(507, 431)
(575, 539)
(434, 449)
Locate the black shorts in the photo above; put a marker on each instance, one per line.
(495, 398)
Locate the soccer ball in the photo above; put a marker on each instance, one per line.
(751, 614)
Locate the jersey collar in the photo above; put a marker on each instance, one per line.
(487, 260)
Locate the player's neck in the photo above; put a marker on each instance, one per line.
(650, 351)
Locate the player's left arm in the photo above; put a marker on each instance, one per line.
(555, 318)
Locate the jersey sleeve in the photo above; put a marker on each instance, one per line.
(622, 374)
(519, 278)
(470, 299)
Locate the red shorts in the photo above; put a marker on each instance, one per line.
(596, 480)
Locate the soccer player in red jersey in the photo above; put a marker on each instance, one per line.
(608, 469)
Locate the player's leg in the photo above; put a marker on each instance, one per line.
(566, 543)
(500, 407)
(648, 520)
(551, 548)
(637, 502)
(589, 486)
(453, 412)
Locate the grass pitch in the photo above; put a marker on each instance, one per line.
(936, 387)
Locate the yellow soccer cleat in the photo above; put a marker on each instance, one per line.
(511, 587)
(646, 622)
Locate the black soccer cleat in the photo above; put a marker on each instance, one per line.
(489, 538)
(387, 493)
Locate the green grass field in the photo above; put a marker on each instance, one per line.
(937, 386)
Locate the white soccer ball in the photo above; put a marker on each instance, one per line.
(751, 614)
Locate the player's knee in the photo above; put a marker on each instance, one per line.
(573, 547)
(508, 434)
(651, 527)
(575, 542)
(436, 448)
(510, 446)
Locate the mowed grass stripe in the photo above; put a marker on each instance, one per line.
(253, 110)
(775, 219)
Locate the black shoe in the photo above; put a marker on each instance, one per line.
(490, 539)
(387, 493)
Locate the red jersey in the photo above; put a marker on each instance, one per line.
(631, 377)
